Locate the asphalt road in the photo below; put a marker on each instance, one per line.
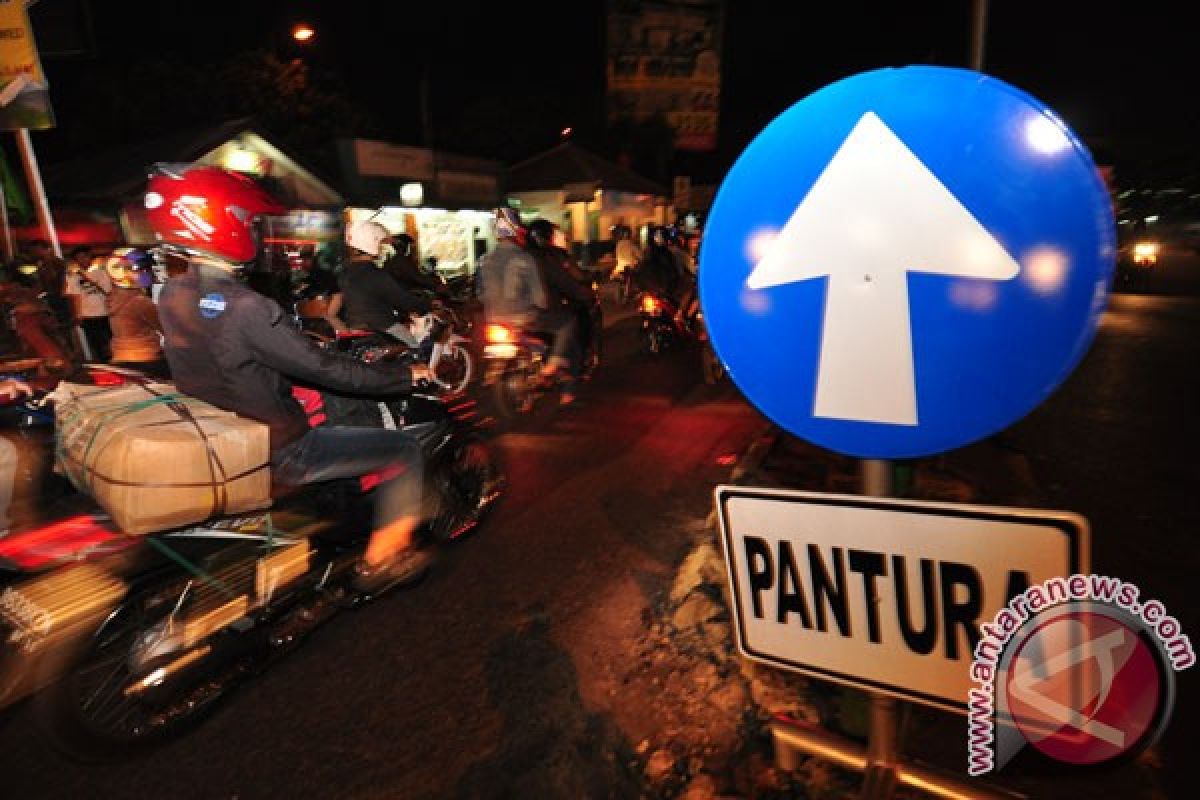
(469, 685)
(476, 683)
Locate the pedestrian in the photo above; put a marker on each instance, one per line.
(52, 283)
(137, 331)
(87, 286)
(10, 389)
(35, 326)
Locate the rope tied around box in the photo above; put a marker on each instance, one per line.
(85, 478)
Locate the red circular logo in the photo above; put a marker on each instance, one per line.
(1084, 687)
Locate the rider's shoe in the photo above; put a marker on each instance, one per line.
(406, 567)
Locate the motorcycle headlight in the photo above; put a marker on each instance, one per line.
(1145, 252)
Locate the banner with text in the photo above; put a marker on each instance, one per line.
(664, 60)
(24, 99)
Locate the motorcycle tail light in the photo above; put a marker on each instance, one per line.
(499, 334)
(650, 304)
(68, 539)
(106, 378)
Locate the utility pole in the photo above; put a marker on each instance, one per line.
(979, 9)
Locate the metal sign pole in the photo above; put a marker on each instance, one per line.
(9, 255)
(880, 762)
(879, 781)
(37, 190)
(979, 10)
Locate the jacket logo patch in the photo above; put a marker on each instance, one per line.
(212, 305)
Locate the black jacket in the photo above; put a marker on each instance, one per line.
(560, 284)
(234, 348)
(371, 298)
(409, 274)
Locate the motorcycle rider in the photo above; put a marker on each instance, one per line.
(370, 298)
(565, 282)
(235, 348)
(659, 270)
(626, 251)
(514, 293)
(686, 266)
(401, 263)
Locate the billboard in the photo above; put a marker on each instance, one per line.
(24, 101)
(664, 59)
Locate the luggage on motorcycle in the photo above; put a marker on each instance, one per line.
(155, 459)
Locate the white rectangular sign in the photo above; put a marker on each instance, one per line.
(386, 160)
(880, 593)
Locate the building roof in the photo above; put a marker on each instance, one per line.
(113, 175)
(568, 163)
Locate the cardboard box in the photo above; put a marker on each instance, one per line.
(155, 459)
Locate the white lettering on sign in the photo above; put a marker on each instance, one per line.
(880, 593)
(875, 214)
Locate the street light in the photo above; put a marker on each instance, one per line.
(303, 32)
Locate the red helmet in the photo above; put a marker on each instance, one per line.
(207, 211)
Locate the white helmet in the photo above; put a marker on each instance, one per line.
(366, 236)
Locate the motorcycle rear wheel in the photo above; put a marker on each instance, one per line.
(512, 395)
(93, 711)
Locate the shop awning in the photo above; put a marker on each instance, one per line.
(110, 177)
(568, 167)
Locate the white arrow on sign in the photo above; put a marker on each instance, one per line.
(875, 214)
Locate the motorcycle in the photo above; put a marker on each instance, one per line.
(445, 345)
(711, 367)
(622, 278)
(513, 361)
(123, 642)
(1136, 264)
(443, 334)
(659, 329)
(512, 368)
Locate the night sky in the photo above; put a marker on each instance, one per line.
(1121, 78)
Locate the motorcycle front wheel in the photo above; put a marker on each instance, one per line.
(470, 483)
(455, 367)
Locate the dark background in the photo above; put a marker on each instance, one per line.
(505, 78)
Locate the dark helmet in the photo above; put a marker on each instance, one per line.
(404, 244)
(541, 233)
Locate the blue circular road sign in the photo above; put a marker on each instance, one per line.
(907, 261)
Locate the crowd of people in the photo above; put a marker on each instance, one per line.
(666, 267)
(91, 306)
(185, 311)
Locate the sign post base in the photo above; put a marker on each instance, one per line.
(880, 760)
(793, 739)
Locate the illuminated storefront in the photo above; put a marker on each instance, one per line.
(455, 238)
(444, 201)
(586, 195)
